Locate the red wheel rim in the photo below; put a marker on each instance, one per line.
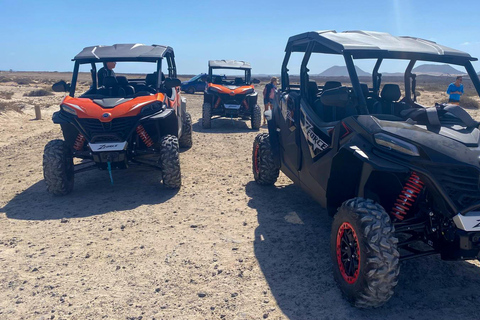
(348, 253)
(256, 160)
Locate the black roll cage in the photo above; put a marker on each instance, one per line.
(169, 57)
(409, 77)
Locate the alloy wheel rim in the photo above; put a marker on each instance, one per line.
(348, 253)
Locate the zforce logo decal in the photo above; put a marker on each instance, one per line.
(477, 225)
(315, 144)
(107, 146)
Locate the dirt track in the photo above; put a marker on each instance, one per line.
(219, 248)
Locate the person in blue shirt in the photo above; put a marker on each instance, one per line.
(455, 90)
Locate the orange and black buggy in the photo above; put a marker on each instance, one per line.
(231, 96)
(122, 121)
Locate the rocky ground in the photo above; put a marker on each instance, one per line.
(221, 247)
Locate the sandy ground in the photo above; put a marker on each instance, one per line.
(219, 248)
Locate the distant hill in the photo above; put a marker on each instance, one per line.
(436, 70)
(341, 71)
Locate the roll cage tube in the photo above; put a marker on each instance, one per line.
(93, 73)
(74, 79)
(304, 71)
(284, 73)
(248, 76)
(172, 68)
(473, 76)
(355, 83)
(376, 77)
(159, 74)
(407, 76)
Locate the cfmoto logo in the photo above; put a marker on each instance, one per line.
(106, 115)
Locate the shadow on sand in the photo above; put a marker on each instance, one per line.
(92, 195)
(224, 125)
(292, 248)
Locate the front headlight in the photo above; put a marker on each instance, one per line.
(152, 108)
(396, 144)
(68, 109)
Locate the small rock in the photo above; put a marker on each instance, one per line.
(202, 294)
(122, 227)
(64, 220)
(265, 315)
(157, 290)
(193, 226)
(233, 295)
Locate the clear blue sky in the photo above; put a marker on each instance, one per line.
(45, 35)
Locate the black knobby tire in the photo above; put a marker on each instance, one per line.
(207, 116)
(265, 171)
(185, 140)
(170, 162)
(191, 90)
(58, 168)
(364, 253)
(256, 117)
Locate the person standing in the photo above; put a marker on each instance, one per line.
(455, 90)
(269, 95)
(106, 71)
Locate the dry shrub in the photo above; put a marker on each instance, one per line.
(6, 95)
(469, 103)
(5, 79)
(23, 81)
(7, 106)
(38, 93)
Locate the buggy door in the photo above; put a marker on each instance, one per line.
(316, 141)
(289, 120)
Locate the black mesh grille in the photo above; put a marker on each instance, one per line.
(460, 183)
(115, 130)
(228, 99)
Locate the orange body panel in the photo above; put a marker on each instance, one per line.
(231, 92)
(86, 108)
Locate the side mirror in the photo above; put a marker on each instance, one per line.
(172, 83)
(337, 97)
(61, 86)
(255, 81)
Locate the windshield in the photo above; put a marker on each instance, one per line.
(236, 77)
(117, 80)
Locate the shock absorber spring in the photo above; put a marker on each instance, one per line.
(217, 103)
(78, 144)
(144, 136)
(407, 197)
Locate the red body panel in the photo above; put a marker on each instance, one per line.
(86, 108)
(231, 92)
